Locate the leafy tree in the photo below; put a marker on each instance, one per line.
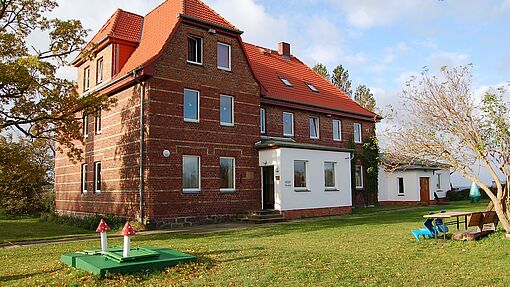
(33, 99)
(443, 122)
(25, 170)
(364, 97)
(340, 78)
(322, 70)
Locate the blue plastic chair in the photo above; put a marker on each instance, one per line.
(428, 231)
(440, 226)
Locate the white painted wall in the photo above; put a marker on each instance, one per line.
(287, 198)
(388, 184)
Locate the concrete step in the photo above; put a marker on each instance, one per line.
(263, 221)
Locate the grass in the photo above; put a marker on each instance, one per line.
(28, 228)
(370, 248)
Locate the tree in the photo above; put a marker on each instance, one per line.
(25, 170)
(443, 122)
(322, 70)
(33, 99)
(340, 78)
(364, 97)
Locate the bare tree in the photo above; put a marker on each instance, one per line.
(442, 121)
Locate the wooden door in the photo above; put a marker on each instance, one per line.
(268, 187)
(425, 190)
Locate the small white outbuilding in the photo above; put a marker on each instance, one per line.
(417, 182)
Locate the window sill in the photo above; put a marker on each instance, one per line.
(227, 125)
(302, 190)
(98, 133)
(314, 138)
(225, 69)
(338, 140)
(358, 142)
(227, 190)
(331, 189)
(191, 121)
(401, 195)
(359, 187)
(191, 191)
(288, 136)
(195, 63)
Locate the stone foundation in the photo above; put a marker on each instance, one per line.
(316, 212)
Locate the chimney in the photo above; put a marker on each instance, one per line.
(284, 50)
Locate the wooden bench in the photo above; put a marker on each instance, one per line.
(485, 223)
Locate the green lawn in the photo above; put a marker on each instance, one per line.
(373, 247)
(30, 228)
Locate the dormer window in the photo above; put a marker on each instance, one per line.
(195, 50)
(286, 82)
(312, 87)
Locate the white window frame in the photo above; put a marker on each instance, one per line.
(262, 120)
(192, 190)
(339, 139)
(229, 68)
(438, 185)
(292, 124)
(232, 189)
(99, 72)
(98, 122)
(188, 120)
(86, 78)
(231, 110)
(85, 125)
(196, 55)
(398, 186)
(307, 178)
(312, 87)
(97, 189)
(84, 172)
(357, 128)
(286, 82)
(335, 186)
(361, 172)
(317, 128)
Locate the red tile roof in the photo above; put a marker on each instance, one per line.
(199, 10)
(121, 25)
(269, 66)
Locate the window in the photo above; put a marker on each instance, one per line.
(357, 133)
(227, 173)
(438, 181)
(286, 82)
(98, 122)
(337, 130)
(191, 173)
(224, 59)
(329, 176)
(300, 175)
(262, 121)
(359, 176)
(312, 88)
(97, 176)
(85, 125)
(226, 110)
(314, 128)
(195, 50)
(400, 185)
(191, 106)
(86, 79)
(99, 71)
(288, 124)
(84, 178)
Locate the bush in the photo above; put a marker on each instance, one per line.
(87, 222)
(462, 194)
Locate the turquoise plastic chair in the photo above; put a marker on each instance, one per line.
(428, 231)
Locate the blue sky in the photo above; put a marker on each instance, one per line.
(381, 43)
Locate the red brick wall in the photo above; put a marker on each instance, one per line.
(317, 212)
(209, 140)
(399, 203)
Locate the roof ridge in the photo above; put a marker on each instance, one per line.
(214, 12)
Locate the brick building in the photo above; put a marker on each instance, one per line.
(206, 127)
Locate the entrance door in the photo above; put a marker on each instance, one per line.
(425, 190)
(268, 187)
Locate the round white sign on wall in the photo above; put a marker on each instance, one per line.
(166, 153)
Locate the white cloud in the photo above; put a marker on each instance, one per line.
(260, 27)
(450, 59)
(404, 77)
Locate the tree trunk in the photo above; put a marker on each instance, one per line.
(490, 206)
(500, 211)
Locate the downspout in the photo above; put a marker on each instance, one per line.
(142, 146)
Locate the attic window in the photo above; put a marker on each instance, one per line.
(286, 82)
(312, 87)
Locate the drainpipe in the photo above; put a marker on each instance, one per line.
(142, 141)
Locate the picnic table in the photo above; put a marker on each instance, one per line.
(449, 215)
